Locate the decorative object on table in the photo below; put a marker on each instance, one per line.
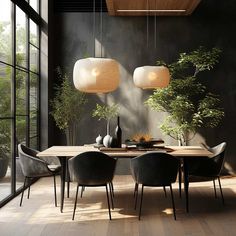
(96, 75)
(151, 77)
(189, 105)
(106, 112)
(107, 141)
(143, 141)
(99, 140)
(118, 133)
(67, 107)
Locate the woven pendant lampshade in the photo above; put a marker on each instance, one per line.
(150, 77)
(96, 75)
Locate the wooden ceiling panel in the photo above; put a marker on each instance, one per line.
(151, 7)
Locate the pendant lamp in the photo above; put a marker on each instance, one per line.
(96, 75)
(150, 77)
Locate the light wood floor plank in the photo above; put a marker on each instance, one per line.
(39, 217)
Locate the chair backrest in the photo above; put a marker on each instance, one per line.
(218, 158)
(209, 167)
(154, 169)
(92, 168)
(219, 149)
(30, 164)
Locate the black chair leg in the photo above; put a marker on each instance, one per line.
(164, 188)
(108, 203)
(82, 191)
(68, 188)
(173, 202)
(55, 190)
(112, 188)
(136, 196)
(22, 194)
(214, 188)
(135, 189)
(76, 196)
(221, 192)
(141, 202)
(111, 195)
(28, 192)
(180, 181)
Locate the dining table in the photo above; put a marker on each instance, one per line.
(181, 152)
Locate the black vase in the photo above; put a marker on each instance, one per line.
(118, 133)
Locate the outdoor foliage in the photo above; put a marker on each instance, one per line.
(188, 103)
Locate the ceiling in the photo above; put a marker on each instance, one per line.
(129, 7)
(79, 5)
(151, 7)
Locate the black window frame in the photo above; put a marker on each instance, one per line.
(31, 14)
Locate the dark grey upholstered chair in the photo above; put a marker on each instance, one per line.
(208, 169)
(34, 167)
(155, 170)
(92, 169)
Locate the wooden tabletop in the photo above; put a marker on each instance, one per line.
(70, 151)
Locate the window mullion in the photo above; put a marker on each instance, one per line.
(27, 80)
(13, 102)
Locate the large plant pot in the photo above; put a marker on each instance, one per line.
(3, 166)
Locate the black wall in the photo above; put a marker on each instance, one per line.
(125, 39)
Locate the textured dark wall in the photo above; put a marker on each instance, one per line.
(125, 39)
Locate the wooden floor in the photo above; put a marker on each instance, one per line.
(38, 216)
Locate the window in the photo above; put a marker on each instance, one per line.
(19, 88)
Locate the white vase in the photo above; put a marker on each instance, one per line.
(99, 139)
(107, 140)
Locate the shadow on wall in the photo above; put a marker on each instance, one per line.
(124, 39)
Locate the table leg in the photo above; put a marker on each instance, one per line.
(186, 183)
(63, 179)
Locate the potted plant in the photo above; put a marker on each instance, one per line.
(67, 107)
(106, 112)
(188, 103)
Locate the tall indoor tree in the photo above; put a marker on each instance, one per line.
(187, 101)
(67, 107)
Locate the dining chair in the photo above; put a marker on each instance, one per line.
(34, 167)
(92, 169)
(154, 170)
(208, 168)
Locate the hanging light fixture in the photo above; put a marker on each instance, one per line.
(96, 75)
(150, 77)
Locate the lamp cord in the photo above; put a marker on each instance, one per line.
(155, 26)
(94, 21)
(101, 29)
(147, 21)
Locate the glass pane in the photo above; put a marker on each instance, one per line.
(20, 38)
(34, 143)
(20, 129)
(5, 158)
(34, 59)
(5, 32)
(5, 90)
(34, 4)
(33, 109)
(34, 33)
(21, 92)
